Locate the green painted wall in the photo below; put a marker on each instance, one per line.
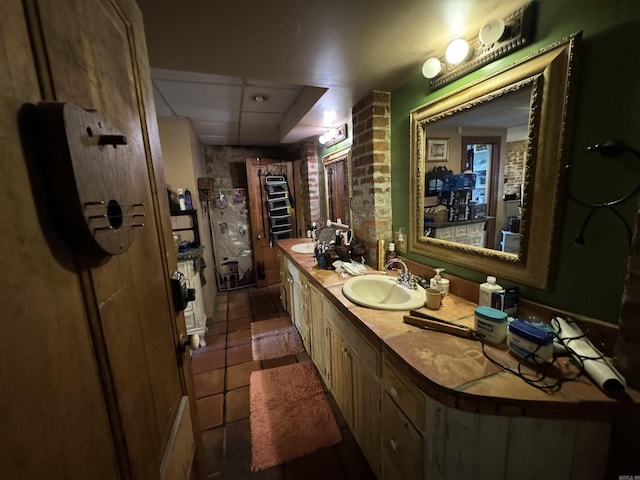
(589, 279)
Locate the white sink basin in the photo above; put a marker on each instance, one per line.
(306, 247)
(382, 293)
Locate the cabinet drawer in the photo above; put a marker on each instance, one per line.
(511, 240)
(475, 228)
(400, 389)
(475, 240)
(305, 334)
(402, 445)
(460, 231)
(444, 233)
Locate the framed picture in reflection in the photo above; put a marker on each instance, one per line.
(437, 149)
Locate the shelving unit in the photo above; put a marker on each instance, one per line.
(192, 226)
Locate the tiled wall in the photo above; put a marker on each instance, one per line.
(371, 171)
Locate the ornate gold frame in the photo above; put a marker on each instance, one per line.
(550, 74)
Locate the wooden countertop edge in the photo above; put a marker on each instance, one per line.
(456, 397)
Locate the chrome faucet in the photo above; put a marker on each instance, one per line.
(405, 278)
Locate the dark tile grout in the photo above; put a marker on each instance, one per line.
(256, 298)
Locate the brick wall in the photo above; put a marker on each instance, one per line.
(226, 165)
(371, 171)
(310, 185)
(514, 166)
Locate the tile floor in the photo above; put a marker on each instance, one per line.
(221, 372)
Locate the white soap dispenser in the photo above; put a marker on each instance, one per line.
(436, 280)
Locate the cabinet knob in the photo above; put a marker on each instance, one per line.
(393, 392)
(393, 443)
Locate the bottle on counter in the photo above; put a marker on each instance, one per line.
(486, 289)
(438, 282)
(391, 252)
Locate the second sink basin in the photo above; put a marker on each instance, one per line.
(307, 247)
(382, 293)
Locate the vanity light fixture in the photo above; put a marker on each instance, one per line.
(496, 38)
(333, 136)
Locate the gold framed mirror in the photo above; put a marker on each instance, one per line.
(475, 229)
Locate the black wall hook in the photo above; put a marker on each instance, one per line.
(608, 149)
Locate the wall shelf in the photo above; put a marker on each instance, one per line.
(192, 226)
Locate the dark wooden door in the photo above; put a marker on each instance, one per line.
(94, 383)
(337, 190)
(266, 264)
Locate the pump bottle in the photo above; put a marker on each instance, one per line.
(438, 282)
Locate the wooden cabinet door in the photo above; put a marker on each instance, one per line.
(97, 389)
(366, 413)
(341, 374)
(402, 445)
(319, 340)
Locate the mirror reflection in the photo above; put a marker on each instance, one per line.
(465, 140)
(475, 164)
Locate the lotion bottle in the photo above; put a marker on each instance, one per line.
(181, 199)
(486, 289)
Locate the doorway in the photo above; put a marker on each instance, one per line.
(337, 186)
(481, 155)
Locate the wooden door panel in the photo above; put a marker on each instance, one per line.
(55, 422)
(94, 50)
(337, 196)
(267, 266)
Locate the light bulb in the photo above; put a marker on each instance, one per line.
(457, 51)
(431, 68)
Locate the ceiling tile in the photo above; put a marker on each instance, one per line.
(256, 118)
(201, 96)
(194, 77)
(279, 99)
(214, 116)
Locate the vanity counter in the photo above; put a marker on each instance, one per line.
(454, 370)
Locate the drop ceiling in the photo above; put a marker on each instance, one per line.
(309, 61)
